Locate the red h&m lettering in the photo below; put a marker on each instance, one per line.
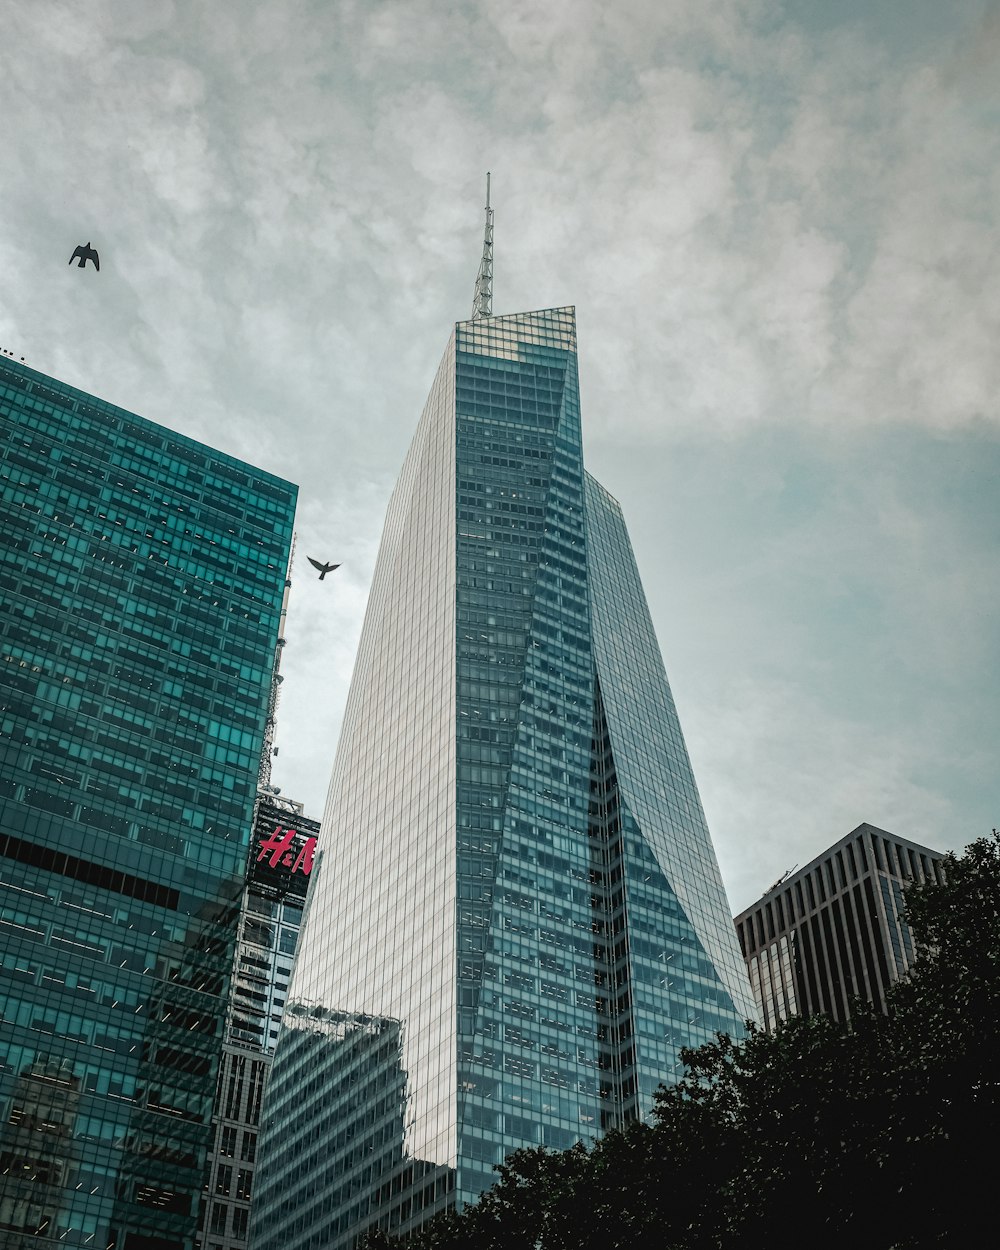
(277, 845)
(280, 847)
(304, 858)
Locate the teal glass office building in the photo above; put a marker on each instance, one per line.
(142, 577)
(517, 919)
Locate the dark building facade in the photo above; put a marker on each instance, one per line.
(517, 919)
(141, 578)
(279, 868)
(834, 930)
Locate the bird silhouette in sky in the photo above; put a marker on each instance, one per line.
(85, 253)
(323, 568)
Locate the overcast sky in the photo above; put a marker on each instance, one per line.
(778, 222)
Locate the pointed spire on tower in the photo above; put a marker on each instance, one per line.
(482, 301)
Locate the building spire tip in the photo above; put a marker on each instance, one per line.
(482, 299)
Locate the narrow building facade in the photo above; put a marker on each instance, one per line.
(282, 852)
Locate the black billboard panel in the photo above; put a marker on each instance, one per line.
(282, 853)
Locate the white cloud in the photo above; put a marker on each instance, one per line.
(778, 233)
(788, 779)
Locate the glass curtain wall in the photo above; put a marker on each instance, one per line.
(141, 579)
(518, 918)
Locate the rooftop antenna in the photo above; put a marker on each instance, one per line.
(482, 301)
(269, 749)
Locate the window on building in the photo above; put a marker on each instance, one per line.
(234, 1091)
(224, 1180)
(227, 1143)
(258, 1072)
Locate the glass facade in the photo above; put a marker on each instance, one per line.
(141, 578)
(517, 919)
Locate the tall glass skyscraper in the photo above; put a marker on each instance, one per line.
(517, 919)
(141, 581)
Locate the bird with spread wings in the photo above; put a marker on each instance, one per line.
(83, 253)
(323, 568)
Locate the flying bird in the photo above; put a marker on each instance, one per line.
(323, 568)
(84, 254)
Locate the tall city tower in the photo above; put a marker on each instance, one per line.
(517, 918)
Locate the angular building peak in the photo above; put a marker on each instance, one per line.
(518, 920)
(513, 335)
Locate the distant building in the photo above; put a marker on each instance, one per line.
(141, 584)
(834, 930)
(278, 873)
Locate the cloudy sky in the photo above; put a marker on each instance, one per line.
(778, 222)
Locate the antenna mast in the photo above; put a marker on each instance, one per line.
(482, 300)
(264, 769)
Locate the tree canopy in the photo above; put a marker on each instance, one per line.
(878, 1135)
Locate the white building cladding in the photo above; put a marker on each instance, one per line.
(518, 919)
